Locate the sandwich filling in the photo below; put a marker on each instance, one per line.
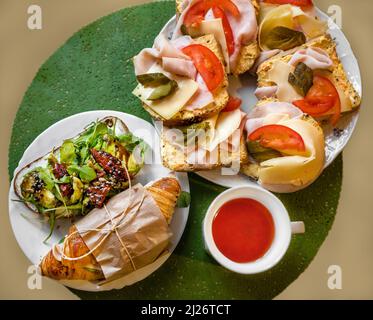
(286, 145)
(233, 23)
(193, 69)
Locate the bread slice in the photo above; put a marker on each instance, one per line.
(186, 117)
(176, 160)
(338, 73)
(249, 52)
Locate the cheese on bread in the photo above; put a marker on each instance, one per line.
(275, 71)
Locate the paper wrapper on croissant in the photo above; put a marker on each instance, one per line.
(143, 235)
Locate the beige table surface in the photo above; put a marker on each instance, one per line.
(350, 242)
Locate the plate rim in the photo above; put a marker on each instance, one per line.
(75, 284)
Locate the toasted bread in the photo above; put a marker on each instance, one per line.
(176, 160)
(338, 73)
(185, 117)
(248, 54)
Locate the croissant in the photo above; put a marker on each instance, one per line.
(165, 193)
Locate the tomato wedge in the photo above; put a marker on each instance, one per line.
(219, 13)
(232, 104)
(207, 64)
(278, 137)
(299, 3)
(197, 12)
(321, 98)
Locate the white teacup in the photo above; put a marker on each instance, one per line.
(283, 229)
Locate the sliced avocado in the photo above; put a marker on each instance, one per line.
(31, 184)
(110, 148)
(78, 190)
(133, 166)
(47, 199)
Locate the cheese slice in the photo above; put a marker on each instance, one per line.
(279, 74)
(297, 170)
(289, 16)
(265, 8)
(311, 26)
(280, 16)
(226, 124)
(171, 105)
(215, 27)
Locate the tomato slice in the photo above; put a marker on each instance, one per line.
(197, 12)
(207, 64)
(232, 104)
(299, 3)
(219, 13)
(321, 98)
(278, 137)
(315, 106)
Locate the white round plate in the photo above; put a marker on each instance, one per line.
(30, 229)
(246, 85)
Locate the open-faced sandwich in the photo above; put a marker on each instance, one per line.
(215, 142)
(312, 78)
(128, 233)
(83, 172)
(286, 24)
(286, 147)
(232, 22)
(181, 81)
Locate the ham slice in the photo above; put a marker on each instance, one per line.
(264, 56)
(180, 67)
(314, 58)
(175, 62)
(145, 60)
(244, 27)
(173, 59)
(265, 92)
(168, 49)
(271, 113)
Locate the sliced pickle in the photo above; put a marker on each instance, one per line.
(284, 38)
(153, 79)
(260, 153)
(163, 90)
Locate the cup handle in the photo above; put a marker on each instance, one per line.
(298, 227)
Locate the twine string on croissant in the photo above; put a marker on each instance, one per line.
(114, 228)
